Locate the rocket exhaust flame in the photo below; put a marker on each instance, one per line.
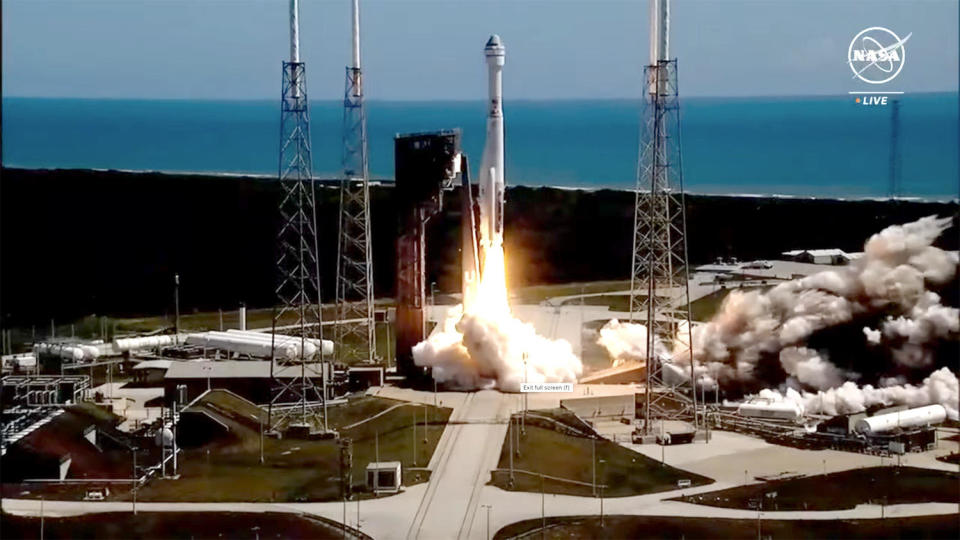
(481, 344)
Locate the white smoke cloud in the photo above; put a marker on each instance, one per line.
(892, 275)
(485, 346)
(941, 387)
(898, 264)
(873, 336)
(810, 368)
(627, 342)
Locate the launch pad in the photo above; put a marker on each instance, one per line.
(426, 166)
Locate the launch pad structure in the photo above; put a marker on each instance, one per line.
(355, 331)
(298, 267)
(426, 165)
(659, 286)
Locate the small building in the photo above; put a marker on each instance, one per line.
(361, 378)
(602, 407)
(384, 476)
(250, 380)
(818, 256)
(151, 372)
(840, 425)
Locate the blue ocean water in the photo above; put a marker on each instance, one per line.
(824, 146)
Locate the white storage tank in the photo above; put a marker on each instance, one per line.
(921, 416)
(775, 410)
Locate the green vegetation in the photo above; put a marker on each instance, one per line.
(299, 470)
(124, 525)
(638, 527)
(567, 458)
(842, 490)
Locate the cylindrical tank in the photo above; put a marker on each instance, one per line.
(921, 416)
(145, 342)
(325, 345)
(243, 317)
(285, 349)
(778, 410)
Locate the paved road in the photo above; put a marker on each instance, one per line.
(464, 466)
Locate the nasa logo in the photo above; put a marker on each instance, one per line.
(876, 55)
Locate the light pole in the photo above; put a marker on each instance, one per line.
(510, 436)
(523, 424)
(593, 461)
(602, 485)
(133, 450)
(414, 437)
(176, 308)
(543, 509)
(261, 439)
(487, 506)
(759, 511)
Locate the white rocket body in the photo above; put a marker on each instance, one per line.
(491, 165)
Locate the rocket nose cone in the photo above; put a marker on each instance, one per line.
(494, 46)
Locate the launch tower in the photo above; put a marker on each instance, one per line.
(295, 403)
(659, 291)
(355, 330)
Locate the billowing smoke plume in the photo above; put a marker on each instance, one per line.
(756, 334)
(941, 387)
(485, 346)
(891, 277)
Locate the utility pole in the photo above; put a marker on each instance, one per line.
(376, 453)
(176, 308)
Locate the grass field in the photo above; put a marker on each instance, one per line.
(842, 490)
(124, 525)
(298, 470)
(569, 457)
(641, 527)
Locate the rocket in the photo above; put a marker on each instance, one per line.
(482, 223)
(491, 165)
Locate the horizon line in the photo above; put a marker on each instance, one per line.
(464, 100)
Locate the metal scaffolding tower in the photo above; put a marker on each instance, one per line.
(896, 188)
(355, 329)
(298, 289)
(659, 290)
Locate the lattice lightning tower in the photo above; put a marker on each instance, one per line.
(355, 329)
(659, 291)
(295, 401)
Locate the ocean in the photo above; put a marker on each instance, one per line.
(816, 146)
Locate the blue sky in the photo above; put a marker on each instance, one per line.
(432, 49)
